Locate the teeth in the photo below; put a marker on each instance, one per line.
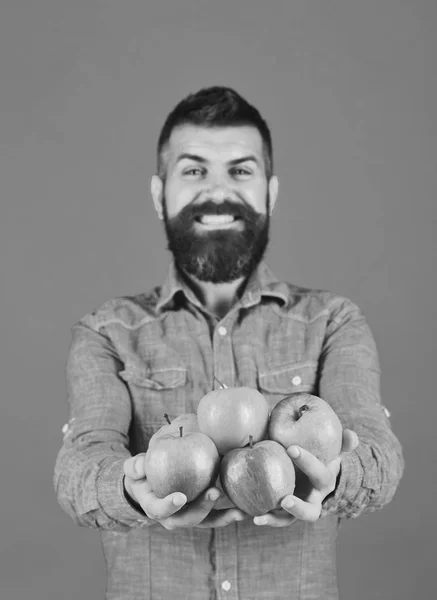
(216, 219)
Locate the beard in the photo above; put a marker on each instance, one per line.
(222, 255)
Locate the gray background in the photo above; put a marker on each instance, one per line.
(349, 89)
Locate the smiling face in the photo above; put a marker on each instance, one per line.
(215, 201)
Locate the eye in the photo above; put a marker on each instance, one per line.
(193, 171)
(240, 172)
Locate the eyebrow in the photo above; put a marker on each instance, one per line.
(202, 160)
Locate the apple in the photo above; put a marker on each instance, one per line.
(224, 502)
(187, 420)
(309, 422)
(230, 414)
(257, 478)
(178, 462)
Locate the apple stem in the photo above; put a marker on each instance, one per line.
(250, 441)
(180, 430)
(167, 418)
(222, 385)
(303, 409)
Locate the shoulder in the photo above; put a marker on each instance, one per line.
(132, 312)
(311, 304)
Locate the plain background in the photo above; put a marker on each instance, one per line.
(349, 90)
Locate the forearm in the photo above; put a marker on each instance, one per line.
(350, 382)
(88, 482)
(88, 477)
(369, 476)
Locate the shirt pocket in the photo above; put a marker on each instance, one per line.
(156, 390)
(276, 384)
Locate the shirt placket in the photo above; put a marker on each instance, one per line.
(224, 368)
(226, 575)
(225, 540)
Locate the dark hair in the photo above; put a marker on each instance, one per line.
(215, 107)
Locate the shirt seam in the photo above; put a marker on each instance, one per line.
(115, 321)
(302, 558)
(301, 319)
(285, 368)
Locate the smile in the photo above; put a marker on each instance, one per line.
(218, 221)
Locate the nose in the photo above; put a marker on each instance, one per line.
(217, 188)
(217, 193)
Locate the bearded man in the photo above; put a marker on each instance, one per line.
(220, 312)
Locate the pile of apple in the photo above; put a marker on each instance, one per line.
(234, 437)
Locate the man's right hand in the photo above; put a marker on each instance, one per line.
(172, 511)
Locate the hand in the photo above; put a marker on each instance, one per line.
(173, 511)
(314, 481)
(224, 501)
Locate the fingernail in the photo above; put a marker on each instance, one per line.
(178, 500)
(213, 496)
(294, 452)
(138, 466)
(260, 521)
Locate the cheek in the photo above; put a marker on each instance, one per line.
(259, 202)
(176, 198)
(256, 194)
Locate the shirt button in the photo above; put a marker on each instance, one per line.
(386, 411)
(65, 428)
(296, 380)
(142, 522)
(222, 330)
(226, 585)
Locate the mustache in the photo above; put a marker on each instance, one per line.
(227, 207)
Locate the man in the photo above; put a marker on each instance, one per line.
(220, 312)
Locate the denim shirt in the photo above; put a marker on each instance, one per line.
(138, 357)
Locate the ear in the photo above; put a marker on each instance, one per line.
(273, 191)
(157, 189)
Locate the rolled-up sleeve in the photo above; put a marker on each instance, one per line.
(350, 382)
(88, 476)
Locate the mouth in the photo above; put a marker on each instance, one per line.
(218, 221)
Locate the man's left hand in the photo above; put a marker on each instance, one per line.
(322, 480)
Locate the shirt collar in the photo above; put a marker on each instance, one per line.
(261, 283)
(173, 284)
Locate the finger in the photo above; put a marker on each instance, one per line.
(206, 501)
(195, 512)
(318, 473)
(221, 518)
(157, 508)
(223, 503)
(350, 441)
(133, 467)
(275, 519)
(305, 511)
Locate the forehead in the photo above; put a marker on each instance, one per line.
(215, 143)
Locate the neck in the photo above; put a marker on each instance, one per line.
(218, 298)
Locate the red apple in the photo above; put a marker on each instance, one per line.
(257, 478)
(178, 462)
(309, 422)
(230, 414)
(187, 420)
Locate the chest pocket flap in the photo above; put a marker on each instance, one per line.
(155, 378)
(289, 379)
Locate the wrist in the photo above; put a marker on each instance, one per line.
(129, 495)
(347, 486)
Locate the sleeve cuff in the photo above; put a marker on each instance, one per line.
(113, 499)
(349, 483)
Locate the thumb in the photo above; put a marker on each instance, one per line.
(133, 467)
(350, 441)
